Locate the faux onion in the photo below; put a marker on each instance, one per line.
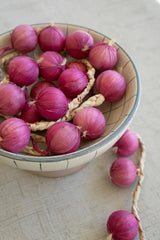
(30, 113)
(91, 122)
(51, 64)
(63, 137)
(103, 56)
(51, 103)
(39, 86)
(14, 135)
(78, 44)
(72, 82)
(23, 70)
(123, 172)
(12, 99)
(127, 144)
(123, 225)
(51, 38)
(111, 85)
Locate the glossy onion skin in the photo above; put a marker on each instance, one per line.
(123, 172)
(63, 138)
(23, 71)
(52, 38)
(15, 135)
(51, 103)
(123, 225)
(12, 99)
(30, 113)
(77, 65)
(111, 85)
(38, 87)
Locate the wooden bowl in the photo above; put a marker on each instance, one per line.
(118, 117)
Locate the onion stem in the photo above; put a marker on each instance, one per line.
(109, 237)
(1, 139)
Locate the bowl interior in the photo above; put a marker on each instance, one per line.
(117, 114)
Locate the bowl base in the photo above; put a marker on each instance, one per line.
(59, 173)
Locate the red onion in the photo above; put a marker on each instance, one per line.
(23, 70)
(123, 225)
(63, 137)
(23, 39)
(51, 65)
(123, 172)
(51, 38)
(91, 122)
(69, 100)
(37, 87)
(77, 65)
(30, 113)
(111, 85)
(72, 82)
(14, 135)
(127, 144)
(103, 56)
(51, 103)
(12, 99)
(78, 44)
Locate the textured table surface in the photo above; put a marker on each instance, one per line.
(77, 206)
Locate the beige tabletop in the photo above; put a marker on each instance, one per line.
(77, 207)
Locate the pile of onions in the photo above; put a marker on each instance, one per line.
(12, 99)
(37, 87)
(30, 113)
(91, 122)
(111, 85)
(23, 38)
(122, 225)
(51, 103)
(51, 64)
(127, 144)
(14, 135)
(123, 172)
(23, 71)
(63, 138)
(78, 44)
(72, 82)
(51, 38)
(103, 56)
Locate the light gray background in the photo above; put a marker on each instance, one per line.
(77, 207)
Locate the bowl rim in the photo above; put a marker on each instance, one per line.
(94, 147)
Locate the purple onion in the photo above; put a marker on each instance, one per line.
(30, 113)
(23, 71)
(77, 65)
(14, 135)
(51, 64)
(12, 99)
(51, 103)
(51, 38)
(63, 137)
(39, 86)
(78, 44)
(72, 82)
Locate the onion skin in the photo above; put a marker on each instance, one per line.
(51, 38)
(39, 86)
(14, 135)
(23, 71)
(91, 122)
(77, 65)
(24, 38)
(30, 113)
(63, 138)
(51, 103)
(123, 172)
(127, 144)
(12, 99)
(51, 64)
(78, 44)
(111, 85)
(123, 225)
(103, 56)
(72, 82)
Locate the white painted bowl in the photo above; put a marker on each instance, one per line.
(118, 117)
